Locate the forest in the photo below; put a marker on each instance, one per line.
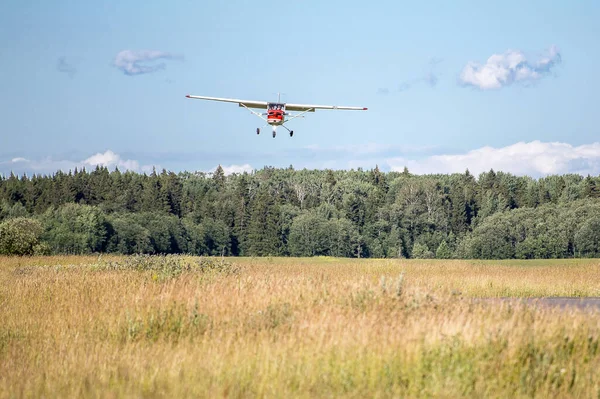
(287, 212)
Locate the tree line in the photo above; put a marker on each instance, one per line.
(288, 212)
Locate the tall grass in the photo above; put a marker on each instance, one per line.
(190, 327)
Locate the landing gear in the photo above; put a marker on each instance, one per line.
(274, 133)
(257, 130)
(290, 131)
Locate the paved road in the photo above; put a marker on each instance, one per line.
(560, 302)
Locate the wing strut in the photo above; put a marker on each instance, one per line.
(300, 114)
(255, 113)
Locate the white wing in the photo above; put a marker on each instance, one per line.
(242, 103)
(312, 108)
(288, 107)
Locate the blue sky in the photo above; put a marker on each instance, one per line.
(449, 85)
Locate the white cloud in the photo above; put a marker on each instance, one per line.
(109, 159)
(535, 158)
(231, 169)
(504, 69)
(137, 62)
(49, 165)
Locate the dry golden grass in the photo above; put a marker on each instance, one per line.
(297, 328)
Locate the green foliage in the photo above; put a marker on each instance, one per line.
(312, 234)
(421, 251)
(351, 213)
(492, 240)
(587, 238)
(75, 229)
(215, 238)
(129, 236)
(393, 244)
(168, 266)
(548, 231)
(443, 251)
(263, 229)
(20, 236)
(8, 211)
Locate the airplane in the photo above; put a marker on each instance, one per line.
(277, 113)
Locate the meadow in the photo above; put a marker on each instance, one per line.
(180, 326)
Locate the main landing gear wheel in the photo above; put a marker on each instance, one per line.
(257, 130)
(291, 133)
(274, 134)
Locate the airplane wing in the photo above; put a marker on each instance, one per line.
(288, 107)
(312, 108)
(242, 103)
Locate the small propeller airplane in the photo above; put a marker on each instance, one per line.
(277, 113)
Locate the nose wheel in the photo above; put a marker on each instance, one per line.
(257, 130)
(274, 133)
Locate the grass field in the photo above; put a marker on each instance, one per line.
(272, 327)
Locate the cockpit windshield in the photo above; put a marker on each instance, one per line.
(276, 107)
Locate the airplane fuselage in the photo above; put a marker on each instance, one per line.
(276, 114)
(276, 121)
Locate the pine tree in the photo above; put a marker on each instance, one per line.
(263, 231)
(458, 214)
(171, 193)
(590, 189)
(420, 251)
(443, 251)
(242, 216)
(330, 178)
(377, 178)
(219, 178)
(153, 198)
